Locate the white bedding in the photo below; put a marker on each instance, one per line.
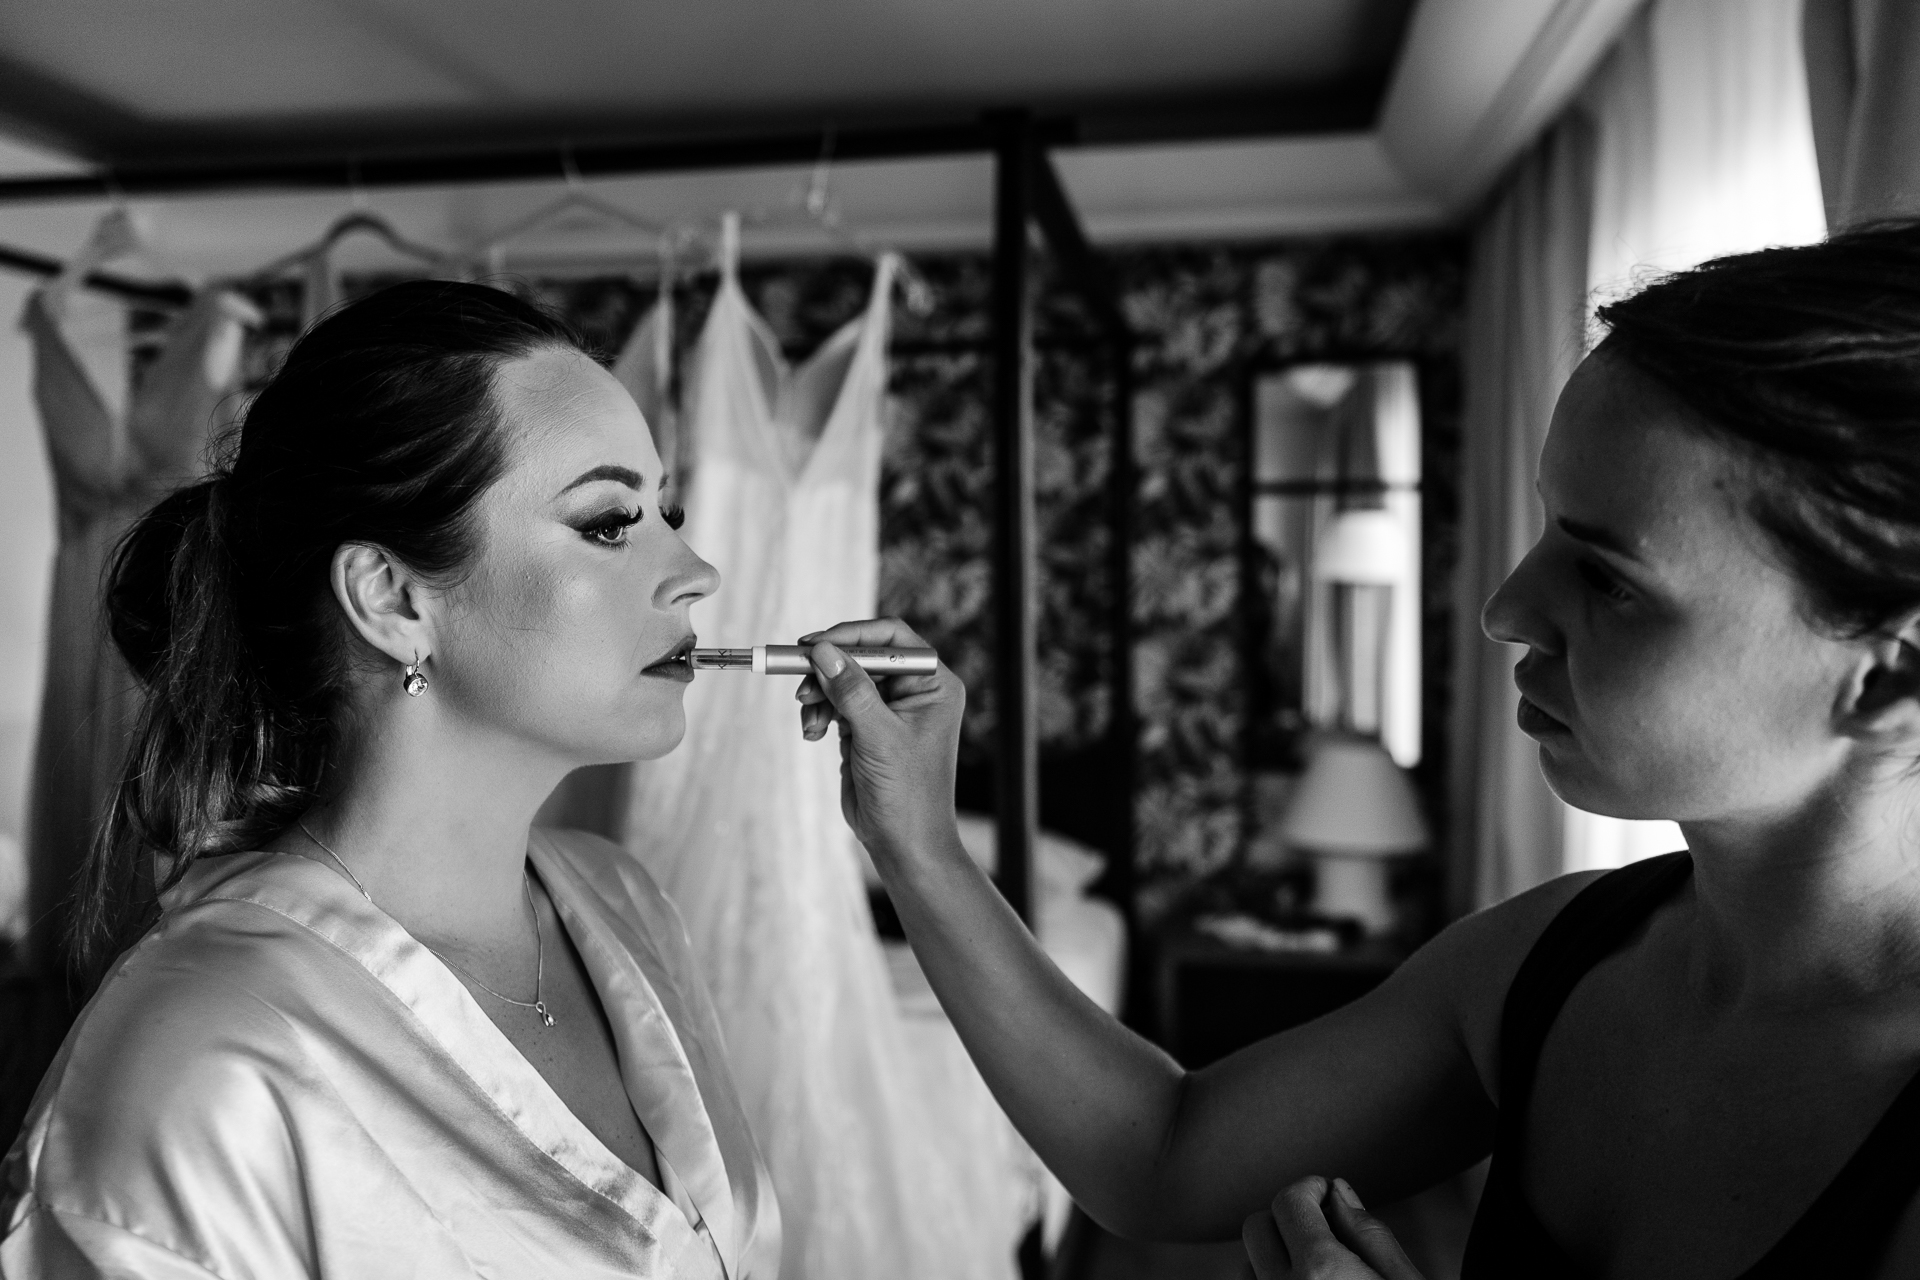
(1087, 938)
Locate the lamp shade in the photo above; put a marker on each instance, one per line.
(1362, 547)
(1354, 800)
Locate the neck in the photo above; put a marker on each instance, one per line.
(432, 817)
(1820, 905)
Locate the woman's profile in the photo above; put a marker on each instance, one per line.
(362, 1020)
(1703, 1065)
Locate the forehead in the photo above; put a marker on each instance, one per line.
(1623, 455)
(565, 414)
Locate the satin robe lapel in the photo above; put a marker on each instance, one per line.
(321, 900)
(663, 1071)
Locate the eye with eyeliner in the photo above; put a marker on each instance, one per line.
(610, 528)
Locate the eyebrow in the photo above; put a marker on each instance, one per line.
(1594, 535)
(607, 471)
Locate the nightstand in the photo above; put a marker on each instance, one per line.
(1211, 997)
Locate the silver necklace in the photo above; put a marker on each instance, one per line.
(537, 1004)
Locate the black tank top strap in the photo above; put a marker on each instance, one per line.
(1590, 927)
(1506, 1239)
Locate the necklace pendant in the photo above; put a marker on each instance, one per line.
(540, 1007)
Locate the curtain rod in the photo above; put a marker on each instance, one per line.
(356, 171)
(35, 264)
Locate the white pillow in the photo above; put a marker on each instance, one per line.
(1066, 867)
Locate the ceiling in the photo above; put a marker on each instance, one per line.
(1197, 119)
(135, 80)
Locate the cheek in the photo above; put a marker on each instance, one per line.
(1686, 720)
(540, 634)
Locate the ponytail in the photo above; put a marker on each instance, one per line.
(379, 428)
(215, 763)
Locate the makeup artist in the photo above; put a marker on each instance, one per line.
(1702, 1065)
(362, 1021)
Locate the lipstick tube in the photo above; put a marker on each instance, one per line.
(791, 660)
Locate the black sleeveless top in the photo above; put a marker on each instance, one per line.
(1843, 1234)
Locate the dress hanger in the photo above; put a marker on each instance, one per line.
(355, 221)
(576, 196)
(819, 209)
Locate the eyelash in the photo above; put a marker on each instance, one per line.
(619, 522)
(1603, 582)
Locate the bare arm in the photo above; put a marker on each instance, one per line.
(1391, 1092)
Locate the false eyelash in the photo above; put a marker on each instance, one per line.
(675, 515)
(618, 522)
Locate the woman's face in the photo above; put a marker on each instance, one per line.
(561, 634)
(1673, 669)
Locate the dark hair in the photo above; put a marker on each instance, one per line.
(1808, 360)
(381, 427)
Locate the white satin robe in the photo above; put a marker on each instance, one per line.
(279, 1081)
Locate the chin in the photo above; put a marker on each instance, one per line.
(1578, 784)
(664, 733)
(1575, 782)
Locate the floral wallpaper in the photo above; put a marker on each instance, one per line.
(1207, 318)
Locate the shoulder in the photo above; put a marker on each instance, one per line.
(179, 1074)
(197, 1041)
(1472, 963)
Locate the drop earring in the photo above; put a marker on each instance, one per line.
(412, 680)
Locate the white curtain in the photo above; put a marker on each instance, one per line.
(1861, 56)
(1704, 140)
(1704, 146)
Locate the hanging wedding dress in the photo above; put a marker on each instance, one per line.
(742, 827)
(109, 465)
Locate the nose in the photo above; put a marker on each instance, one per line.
(689, 579)
(1515, 613)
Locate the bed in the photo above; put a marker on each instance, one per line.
(1087, 938)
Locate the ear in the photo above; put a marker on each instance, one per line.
(388, 606)
(1882, 702)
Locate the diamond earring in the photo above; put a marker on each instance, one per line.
(411, 679)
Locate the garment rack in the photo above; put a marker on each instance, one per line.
(1028, 194)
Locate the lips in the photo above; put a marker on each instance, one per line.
(1534, 719)
(673, 665)
(1536, 723)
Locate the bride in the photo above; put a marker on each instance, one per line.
(356, 1017)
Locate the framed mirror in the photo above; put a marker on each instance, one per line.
(1331, 572)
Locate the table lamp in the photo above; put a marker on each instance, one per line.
(1352, 811)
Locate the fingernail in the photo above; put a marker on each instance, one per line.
(1344, 1190)
(810, 637)
(835, 663)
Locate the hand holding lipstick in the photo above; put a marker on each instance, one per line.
(898, 743)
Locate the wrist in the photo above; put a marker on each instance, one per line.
(932, 843)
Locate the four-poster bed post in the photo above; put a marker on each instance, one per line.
(1016, 735)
